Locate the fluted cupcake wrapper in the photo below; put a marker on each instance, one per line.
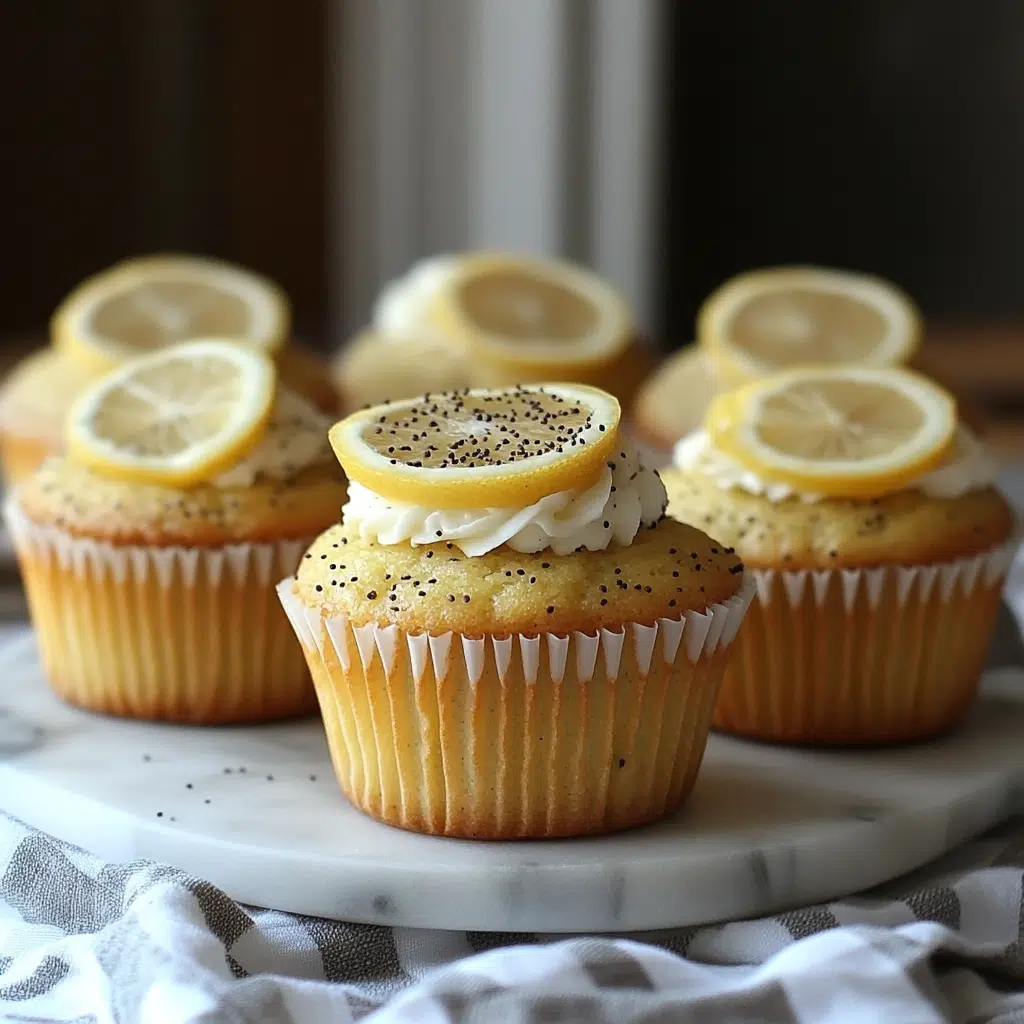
(866, 656)
(515, 736)
(173, 633)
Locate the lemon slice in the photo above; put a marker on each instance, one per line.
(847, 432)
(770, 320)
(542, 319)
(483, 448)
(150, 302)
(176, 417)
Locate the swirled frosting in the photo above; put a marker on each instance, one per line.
(404, 304)
(626, 497)
(294, 439)
(967, 468)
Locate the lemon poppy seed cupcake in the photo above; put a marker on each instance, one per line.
(869, 520)
(507, 637)
(150, 552)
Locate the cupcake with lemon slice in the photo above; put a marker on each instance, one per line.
(132, 309)
(485, 319)
(770, 320)
(867, 515)
(507, 637)
(150, 551)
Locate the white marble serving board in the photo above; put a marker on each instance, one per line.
(257, 812)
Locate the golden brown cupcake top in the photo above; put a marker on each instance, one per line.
(82, 503)
(288, 486)
(905, 528)
(667, 570)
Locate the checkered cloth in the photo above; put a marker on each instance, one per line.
(141, 943)
(85, 941)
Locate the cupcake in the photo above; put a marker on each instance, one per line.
(150, 551)
(868, 517)
(507, 637)
(492, 320)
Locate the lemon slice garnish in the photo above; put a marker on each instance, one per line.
(770, 320)
(176, 417)
(541, 319)
(484, 448)
(846, 432)
(150, 302)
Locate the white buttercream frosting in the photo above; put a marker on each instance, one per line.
(626, 497)
(967, 468)
(403, 307)
(294, 439)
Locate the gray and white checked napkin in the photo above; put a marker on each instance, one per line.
(88, 942)
(142, 943)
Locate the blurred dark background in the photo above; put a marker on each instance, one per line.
(133, 126)
(881, 135)
(872, 134)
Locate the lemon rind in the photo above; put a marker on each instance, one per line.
(498, 486)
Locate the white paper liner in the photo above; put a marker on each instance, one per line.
(700, 633)
(990, 567)
(177, 634)
(244, 561)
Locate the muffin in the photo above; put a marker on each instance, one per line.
(157, 601)
(874, 609)
(494, 670)
(492, 320)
